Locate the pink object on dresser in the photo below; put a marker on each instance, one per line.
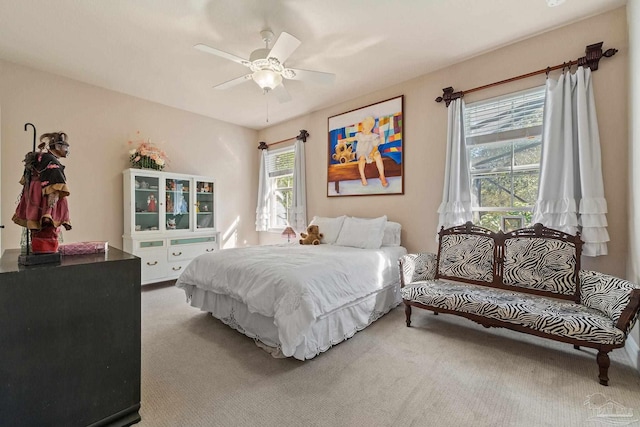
(80, 248)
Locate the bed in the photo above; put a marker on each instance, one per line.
(297, 300)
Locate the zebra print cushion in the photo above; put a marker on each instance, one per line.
(466, 256)
(557, 317)
(605, 293)
(543, 264)
(415, 267)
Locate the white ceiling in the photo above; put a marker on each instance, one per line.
(145, 48)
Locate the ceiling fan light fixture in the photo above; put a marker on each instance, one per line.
(267, 79)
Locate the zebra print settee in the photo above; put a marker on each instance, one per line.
(528, 280)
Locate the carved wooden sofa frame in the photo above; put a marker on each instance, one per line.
(532, 266)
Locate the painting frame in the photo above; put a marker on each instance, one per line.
(510, 223)
(377, 167)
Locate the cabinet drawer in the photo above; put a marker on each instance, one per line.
(175, 269)
(188, 252)
(154, 264)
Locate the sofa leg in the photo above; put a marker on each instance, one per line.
(577, 347)
(407, 313)
(603, 363)
(435, 313)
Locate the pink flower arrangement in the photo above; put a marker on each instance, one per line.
(146, 155)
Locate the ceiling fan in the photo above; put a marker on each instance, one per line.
(267, 66)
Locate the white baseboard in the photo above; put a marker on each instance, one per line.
(632, 349)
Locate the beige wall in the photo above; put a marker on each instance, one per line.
(426, 127)
(633, 258)
(99, 123)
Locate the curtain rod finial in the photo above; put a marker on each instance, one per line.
(303, 135)
(262, 146)
(448, 95)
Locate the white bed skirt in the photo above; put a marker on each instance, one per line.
(328, 330)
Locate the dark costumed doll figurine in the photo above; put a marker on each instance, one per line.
(43, 203)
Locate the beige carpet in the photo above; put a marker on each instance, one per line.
(443, 371)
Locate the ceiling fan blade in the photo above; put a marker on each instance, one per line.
(234, 82)
(313, 76)
(284, 47)
(222, 54)
(281, 93)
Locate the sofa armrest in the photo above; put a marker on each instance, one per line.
(617, 298)
(415, 267)
(630, 313)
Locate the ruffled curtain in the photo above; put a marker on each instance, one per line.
(571, 191)
(262, 209)
(298, 211)
(455, 208)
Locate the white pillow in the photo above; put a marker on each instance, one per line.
(329, 227)
(391, 235)
(362, 233)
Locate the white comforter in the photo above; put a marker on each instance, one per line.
(294, 284)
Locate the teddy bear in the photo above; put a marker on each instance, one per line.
(344, 153)
(312, 236)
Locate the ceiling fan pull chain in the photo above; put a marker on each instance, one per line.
(267, 102)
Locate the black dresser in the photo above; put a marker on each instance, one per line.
(70, 341)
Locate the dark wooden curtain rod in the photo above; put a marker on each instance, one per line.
(302, 137)
(593, 54)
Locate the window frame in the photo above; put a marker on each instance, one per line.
(500, 132)
(273, 175)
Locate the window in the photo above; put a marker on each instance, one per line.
(280, 170)
(504, 142)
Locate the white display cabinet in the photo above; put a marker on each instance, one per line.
(169, 219)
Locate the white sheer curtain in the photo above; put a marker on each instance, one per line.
(455, 208)
(298, 211)
(262, 209)
(571, 191)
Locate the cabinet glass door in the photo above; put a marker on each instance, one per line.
(147, 203)
(204, 204)
(177, 215)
